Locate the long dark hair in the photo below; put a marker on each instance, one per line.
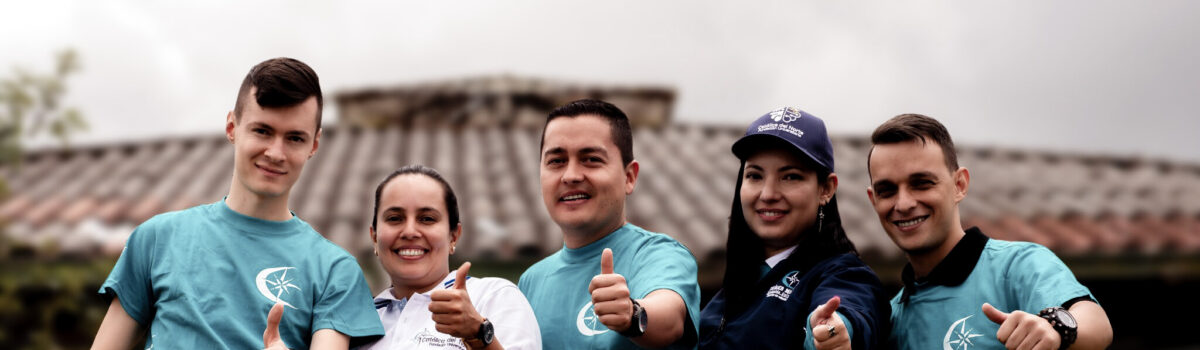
(745, 251)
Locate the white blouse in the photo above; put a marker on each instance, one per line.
(409, 324)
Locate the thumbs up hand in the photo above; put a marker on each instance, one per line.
(610, 296)
(829, 332)
(1022, 330)
(452, 309)
(271, 338)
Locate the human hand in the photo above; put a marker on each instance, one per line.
(271, 338)
(610, 295)
(829, 332)
(452, 310)
(1022, 330)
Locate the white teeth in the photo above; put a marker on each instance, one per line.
(772, 213)
(574, 197)
(410, 252)
(908, 223)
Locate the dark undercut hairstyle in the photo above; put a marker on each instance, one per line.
(915, 127)
(281, 82)
(447, 193)
(622, 136)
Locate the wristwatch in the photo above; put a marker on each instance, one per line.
(638, 321)
(1063, 323)
(486, 333)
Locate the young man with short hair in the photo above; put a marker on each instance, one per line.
(613, 285)
(206, 277)
(963, 290)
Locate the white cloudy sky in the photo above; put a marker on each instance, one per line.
(1117, 77)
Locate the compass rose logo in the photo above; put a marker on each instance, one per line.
(960, 338)
(275, 284)
(785, 114)
(588, 323)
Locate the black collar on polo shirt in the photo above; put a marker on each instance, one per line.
(952, 270)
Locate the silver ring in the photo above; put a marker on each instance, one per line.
(832, 331)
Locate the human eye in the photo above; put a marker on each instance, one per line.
(261, 131)
(884, 191)
(753, 175)
(553, 161)
(296, 139)
(793, 177)
(429, 219)
(923, 184)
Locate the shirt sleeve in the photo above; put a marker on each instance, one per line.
(346, 304)
(1042, 280)
(511, 316)
(129, 280)
(668, 265)
(860, 308)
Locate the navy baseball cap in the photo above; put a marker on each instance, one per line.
(797, 128)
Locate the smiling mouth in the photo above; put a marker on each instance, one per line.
(771, 214)
(269, 170)
(910, 223)
(410, 252)
(574, 197)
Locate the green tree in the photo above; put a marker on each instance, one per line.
(31, 105)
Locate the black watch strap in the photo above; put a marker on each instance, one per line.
(486, 333)
(1063, 323)
(637, 325)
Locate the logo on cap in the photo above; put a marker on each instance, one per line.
(785, 114)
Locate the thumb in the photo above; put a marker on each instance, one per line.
(460, 279)
(606, 262)
(271, 334)
(826, 310)
(995, 315)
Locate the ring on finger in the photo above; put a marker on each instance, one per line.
(832, 331)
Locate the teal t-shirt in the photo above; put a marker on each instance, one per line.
(1008, 275)
(205, 278)
(557, 287)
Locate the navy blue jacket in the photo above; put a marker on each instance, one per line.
(788, 294)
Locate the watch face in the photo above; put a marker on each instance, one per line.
(1065, 317)
(641, 313)
(487, 332)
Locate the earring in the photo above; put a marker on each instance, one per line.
(451, 249)
(820, 217)
(376, 251)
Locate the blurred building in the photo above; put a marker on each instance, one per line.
(1110, 217)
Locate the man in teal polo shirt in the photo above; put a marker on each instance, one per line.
(205, 277)
(963, 290)
(613, 285)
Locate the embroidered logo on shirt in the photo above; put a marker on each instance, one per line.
(274, 284)
(960, 338)
(427, 338)
(588, 323)
(783, 290)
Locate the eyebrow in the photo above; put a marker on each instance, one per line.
(269, 127)
(585, 150)
(920, 175)
(419, 210)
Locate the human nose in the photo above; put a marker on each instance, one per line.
(904, 201)
(770, 192)
(274, 150)
(572, 173)
(409, 230)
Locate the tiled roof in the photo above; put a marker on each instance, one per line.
(86, 201)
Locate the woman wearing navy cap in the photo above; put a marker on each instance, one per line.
(792, 277)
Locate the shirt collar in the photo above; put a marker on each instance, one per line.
(954, 269)
(775, 259)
